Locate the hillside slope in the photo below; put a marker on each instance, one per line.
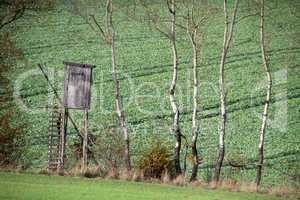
(144, 62)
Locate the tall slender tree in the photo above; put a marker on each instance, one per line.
(176, 127)
(268, 96)
(196, 16)
(170, 33)
(108, 35)
(228, 32)
(194, 19)
(193, 34)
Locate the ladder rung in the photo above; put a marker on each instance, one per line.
(54, 131)
(54, 126)
(52, 167)
(54, 163)
(54, 146)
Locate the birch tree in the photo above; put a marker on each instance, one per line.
(267, 100)
(228, 32)
(170, 33)
(176, 127)
(192, 32)
(197, 14)
(107, 34)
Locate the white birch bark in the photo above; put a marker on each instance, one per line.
(176, 128)
(195, 107)
(118, 102)
(228, 31)
(267, 100)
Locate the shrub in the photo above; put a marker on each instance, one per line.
(10, 133)
(76, 147)
(157, 162)
(108, 149)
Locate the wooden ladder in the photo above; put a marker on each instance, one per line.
(54, 138)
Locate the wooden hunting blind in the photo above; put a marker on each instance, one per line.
(77, 95)
(77, 85)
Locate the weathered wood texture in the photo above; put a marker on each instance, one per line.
(58, 97)
(77, 85)
(63, 137)
(54, 142)
(84, 161)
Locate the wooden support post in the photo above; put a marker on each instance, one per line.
(63, 135)
(85, 143)
(50, 140)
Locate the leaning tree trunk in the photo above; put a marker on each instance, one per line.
(119, 110)
(267, 100)
(175, 109)
(222, 125)
(195, 104)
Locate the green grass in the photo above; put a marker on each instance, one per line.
(14, 186)
(143, 55)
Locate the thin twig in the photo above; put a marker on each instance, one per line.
(103, 34)
(17, 14)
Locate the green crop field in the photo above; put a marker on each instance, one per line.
(144, 69)
(31, 187)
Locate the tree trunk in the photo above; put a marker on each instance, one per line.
(119, 111)
(195, 105)
(185, 155)
(267, 100)
(176, 128)
(222, 125)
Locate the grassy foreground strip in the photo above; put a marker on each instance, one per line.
(15, 186)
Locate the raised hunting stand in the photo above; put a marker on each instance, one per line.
(77, 95)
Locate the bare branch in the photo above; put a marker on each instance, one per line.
(181, 26)
(17, 13)
(246, 16)
(170, 7)
(234, 13)
(161, 31)
(102, 33)
(154, 19)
